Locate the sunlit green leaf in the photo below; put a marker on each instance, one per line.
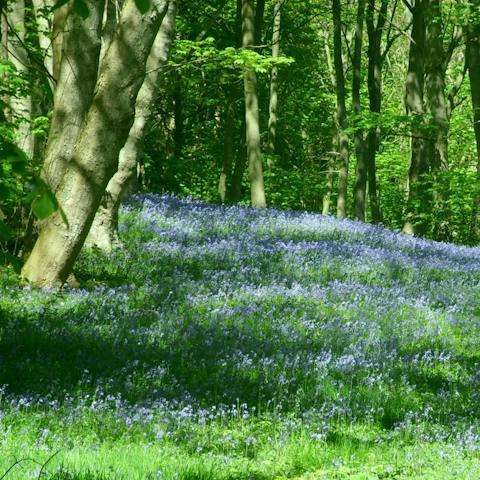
(44, 205)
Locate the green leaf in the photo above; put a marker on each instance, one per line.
(4, 232)
(4, 192)
(44, 205)
(81, 8)
(59, 4)
(143, 5)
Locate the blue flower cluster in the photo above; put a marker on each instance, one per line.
(216, 314)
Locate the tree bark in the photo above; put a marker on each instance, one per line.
(251, 112)
(473, 59)
(44, 40)
(236, 191)
(21, 106)
(330, 161)
(104, 230)
(227, 152)
(273, 117)
(374, 82)
(414, 105)
(259, 19)
(95, 155)
(341, 111)
(359, 191)
(77, 74)
(435, 71)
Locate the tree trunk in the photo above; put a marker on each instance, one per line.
(95, 155)
(44, 39)
(59, 21)
(414, 105)
(77, 75)
(435, 71)
(330, 162)
(104, 230)
(473, 59)
(272, 119)
(374, 81)
(359, 192)
(259, 18)
(236, 191)
(21, 106)
(109, 25)
(341, 111)
(227, 152)
(252, 122)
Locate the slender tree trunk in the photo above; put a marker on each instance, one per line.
(236, 191)
(272, 119)
(21, 106)
(77, 75)
(435, 71)
(45, 43)
(359, 192)
(259, 20)
(341, 111)
(414, 105)
(473, 59)
(104, 230)
(227, 152)
(330, 163)
(252, 122)
(374, 81)
(95, 155)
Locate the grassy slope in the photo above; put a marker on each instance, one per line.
(228, 343)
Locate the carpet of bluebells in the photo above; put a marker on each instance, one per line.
(224, 342)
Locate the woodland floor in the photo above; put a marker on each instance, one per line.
(232, 343)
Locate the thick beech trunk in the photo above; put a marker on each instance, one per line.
(252, 121)
(414, 105)
(77, 74)
(95, 155)
(473, 59)
(360, 187)
(341, 111)
(273, 117)
(104, 230)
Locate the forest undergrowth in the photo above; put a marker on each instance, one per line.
(224, 342)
